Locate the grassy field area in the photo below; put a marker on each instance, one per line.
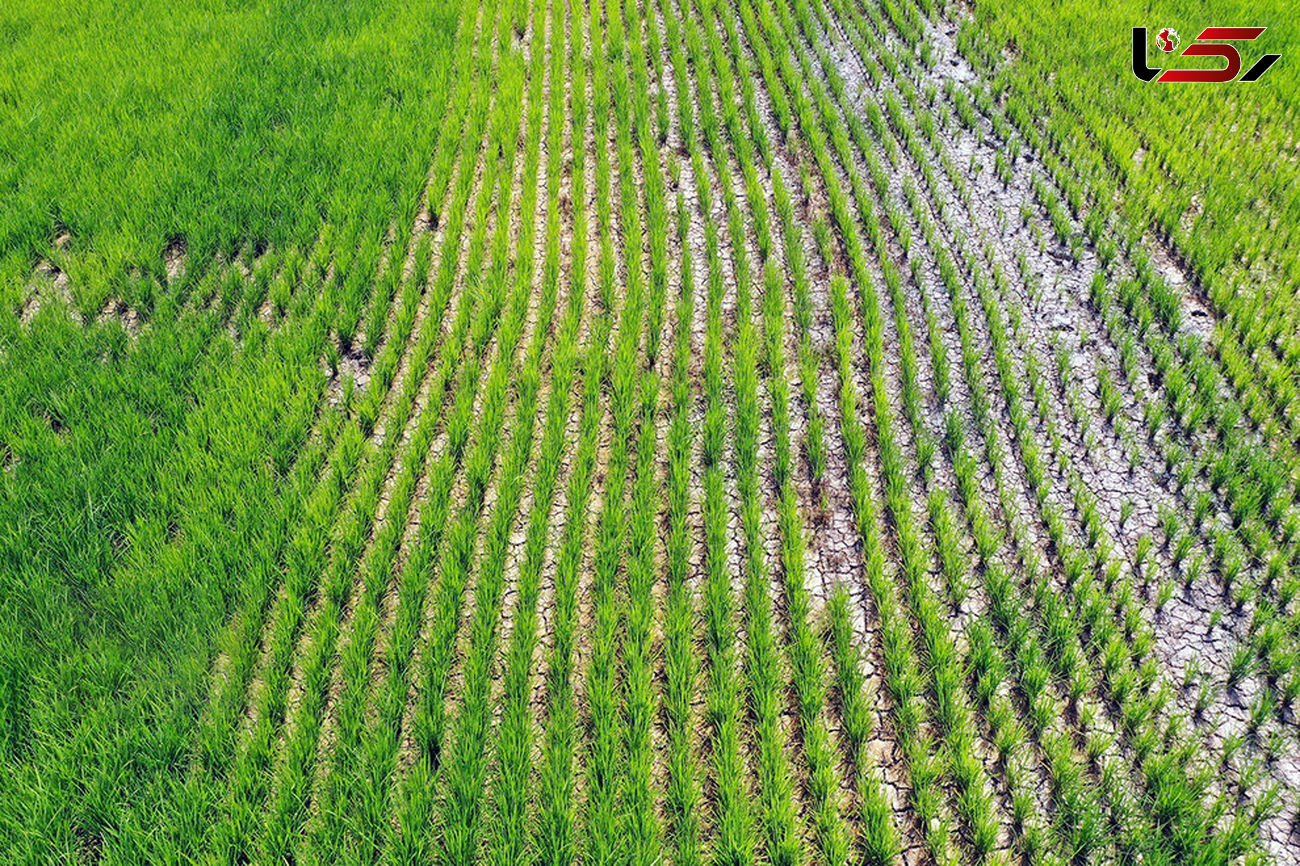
(214, 126)
(646, 431)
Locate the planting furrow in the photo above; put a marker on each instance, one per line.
(512, 743)
(556, 838)
(508, 300)
(466, 769)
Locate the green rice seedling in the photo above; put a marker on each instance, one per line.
(1290, 689)
(515, 735)
(682, 795)
(1288, 590)
(1240, 665)
(1125, 512)
(601, 825)
(1164, 593)
(828, 827)
(774, 817)
(1109, 394)
(1261, 710)
(459, 814)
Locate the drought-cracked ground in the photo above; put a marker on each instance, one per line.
(752, 454)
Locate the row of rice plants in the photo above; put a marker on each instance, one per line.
(682, 798)
(459, 814)
(776, 821)
(557, 832)
(640, 819)
(607, 774)
(683, 807)
(974, 804)
(500, 314)
(513, 746)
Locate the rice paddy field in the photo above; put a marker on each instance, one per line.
(647, 431)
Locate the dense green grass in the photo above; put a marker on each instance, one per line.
(151, 484)
(215, 125)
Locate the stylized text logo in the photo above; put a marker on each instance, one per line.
(1167, 40)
